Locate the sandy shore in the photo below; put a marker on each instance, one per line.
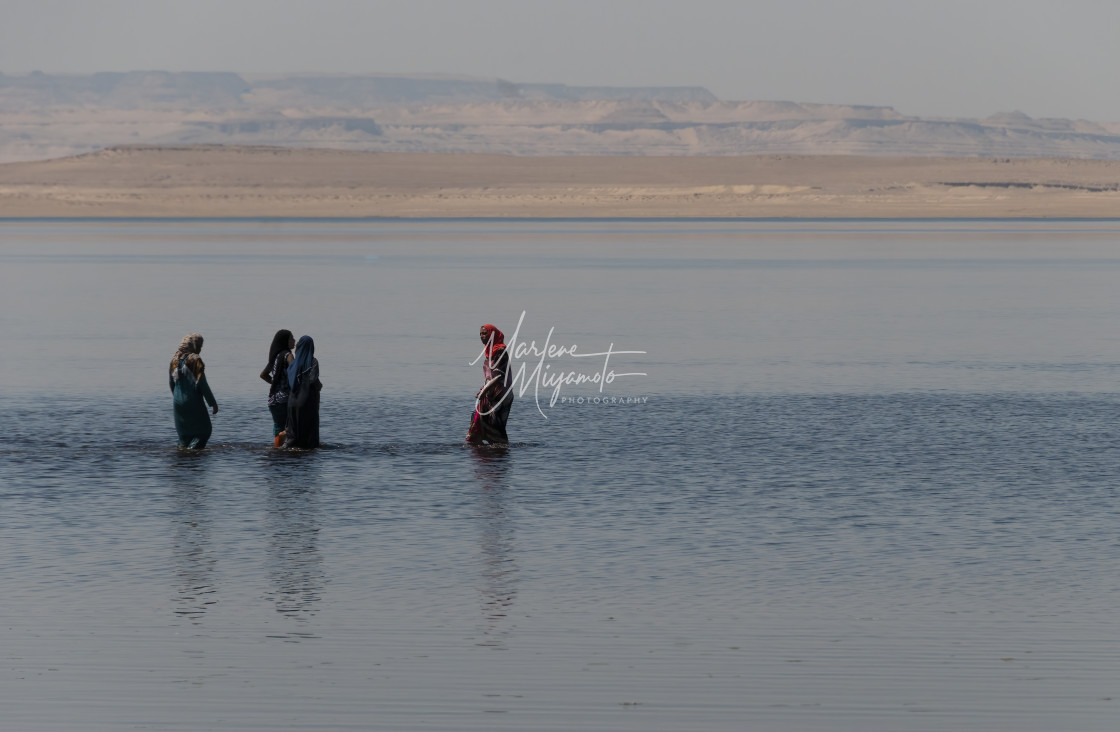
(211, 181)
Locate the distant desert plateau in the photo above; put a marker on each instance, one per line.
(258, 181)
(45, 116)
(222, 144)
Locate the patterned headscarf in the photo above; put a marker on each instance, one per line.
(188, 349)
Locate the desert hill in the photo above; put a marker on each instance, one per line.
(46, 116)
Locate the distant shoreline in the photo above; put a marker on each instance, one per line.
(224, 183)
(541, 219)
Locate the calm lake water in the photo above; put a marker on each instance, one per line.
(868, 481)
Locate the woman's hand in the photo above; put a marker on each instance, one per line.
(490, 387)
(265, 376)
(215, 409)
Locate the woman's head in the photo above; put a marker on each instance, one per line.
(189, 347)
(488, 331)
(191, 343)
(493, 338)
(282, 341)
(305, 355)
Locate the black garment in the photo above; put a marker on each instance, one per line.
(278, 393)
(492, 427)
(302, 429)
(278, 387)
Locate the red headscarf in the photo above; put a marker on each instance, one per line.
(495, 340)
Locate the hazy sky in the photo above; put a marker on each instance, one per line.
(934, 58)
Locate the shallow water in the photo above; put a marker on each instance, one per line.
(869, 482)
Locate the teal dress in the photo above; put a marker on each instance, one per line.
(191, 395)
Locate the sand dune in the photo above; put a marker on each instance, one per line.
(199, 181)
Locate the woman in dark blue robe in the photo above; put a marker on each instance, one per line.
(302, 429)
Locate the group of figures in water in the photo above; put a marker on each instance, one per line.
(292, 374)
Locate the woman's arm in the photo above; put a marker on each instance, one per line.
(275, 371)
(204, 389)
(313, 376)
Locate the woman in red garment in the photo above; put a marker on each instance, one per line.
(488, 424)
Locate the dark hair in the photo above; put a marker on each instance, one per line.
(280, 343)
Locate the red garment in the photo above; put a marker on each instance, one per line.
(492, 409)
(495, 340)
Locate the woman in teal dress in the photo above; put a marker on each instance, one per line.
(191, 394)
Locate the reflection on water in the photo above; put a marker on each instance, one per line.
(498, 586)
(874, 485)
(193, 553)
(295, 566)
